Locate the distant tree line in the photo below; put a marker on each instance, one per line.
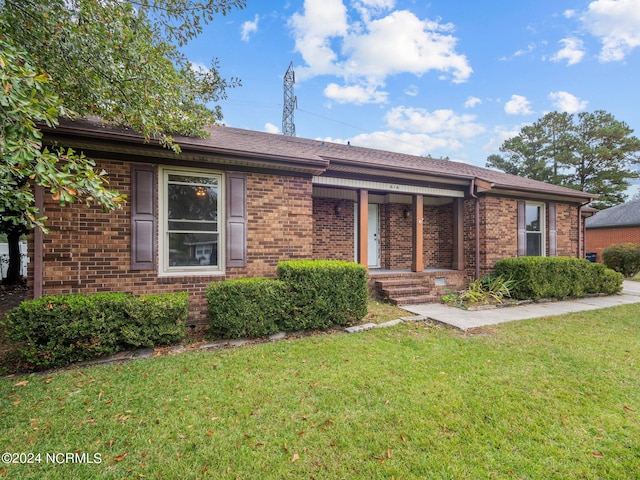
(591, 152)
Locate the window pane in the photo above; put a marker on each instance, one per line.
(193, 249)
(193, 180)
(533, 218)
(534, 244)
(191, 202)
(187, 225)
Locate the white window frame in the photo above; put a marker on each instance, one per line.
(163, 235)
(543, 226)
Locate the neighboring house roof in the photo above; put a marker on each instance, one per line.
(625, 215)
(311, 156)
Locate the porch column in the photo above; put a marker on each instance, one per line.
(458, 234)
(363, 228)
(417, 264)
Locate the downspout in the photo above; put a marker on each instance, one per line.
(582, 232)
(477, 225)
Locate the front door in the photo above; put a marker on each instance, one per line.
(373, 230)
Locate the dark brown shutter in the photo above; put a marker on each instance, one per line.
(522, 228)
(553, 232)
(143, 217)
(236, 220)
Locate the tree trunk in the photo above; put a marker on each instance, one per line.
(13, 272)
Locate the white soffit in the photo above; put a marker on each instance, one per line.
(386, 187)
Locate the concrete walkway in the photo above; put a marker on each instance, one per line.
(465, 319)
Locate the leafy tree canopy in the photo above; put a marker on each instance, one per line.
(591, 152)
(114, 59)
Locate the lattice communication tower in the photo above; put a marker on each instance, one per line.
(290, 103)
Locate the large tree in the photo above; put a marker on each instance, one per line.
(115, 59)
(592, 152)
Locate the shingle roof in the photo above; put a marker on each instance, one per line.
(625, 215)
(235, 141)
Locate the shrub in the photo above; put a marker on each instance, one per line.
(324, 293)
(248, 307)
(557, 277)
(623, 258)
(490, 288)
(60, 329)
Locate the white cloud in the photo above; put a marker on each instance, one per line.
(313, 31)
(573, 51)
(271, 128)
(472, 102)
(566, 102)
(500, 135)
(417, 131)
(617, 24)
(569, 13)
(357, 94)
(444, 122)
(518, 105)
(402, 43)
(412, 91)
(518, 53)
(199, 67)
(367, 45)
(248, 28)
(401, 142)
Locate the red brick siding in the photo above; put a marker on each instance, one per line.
(499, 231)
(333, 233)
(88, 251)
(396, 237)
(600, 238)
(438, 236)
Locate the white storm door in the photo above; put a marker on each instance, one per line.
(374, 236)
(373, 232)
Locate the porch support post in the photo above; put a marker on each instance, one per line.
(417, 264)
(458, 234)
(363, 227)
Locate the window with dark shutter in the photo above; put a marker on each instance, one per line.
(143, 223)
(236, 220)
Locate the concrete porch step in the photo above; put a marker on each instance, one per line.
(406, 291)
(399, 282)
(415, 299)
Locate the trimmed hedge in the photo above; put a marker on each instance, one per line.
(623, 258)
(57, 330)
(557, 277)
(247, 307)
(324, 293)
(310, 294)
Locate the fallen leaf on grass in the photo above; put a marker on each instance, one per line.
(120, 457)
(597, 455)
(627, 409)
(403, 438)
(22, 383)
(389, 454)
(295, 457)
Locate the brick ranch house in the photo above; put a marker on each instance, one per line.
(234, 204)
(615, 225)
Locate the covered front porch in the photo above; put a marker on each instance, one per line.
(411, 238)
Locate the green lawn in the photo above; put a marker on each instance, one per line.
(542, 399)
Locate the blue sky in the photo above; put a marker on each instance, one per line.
(441, 78)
